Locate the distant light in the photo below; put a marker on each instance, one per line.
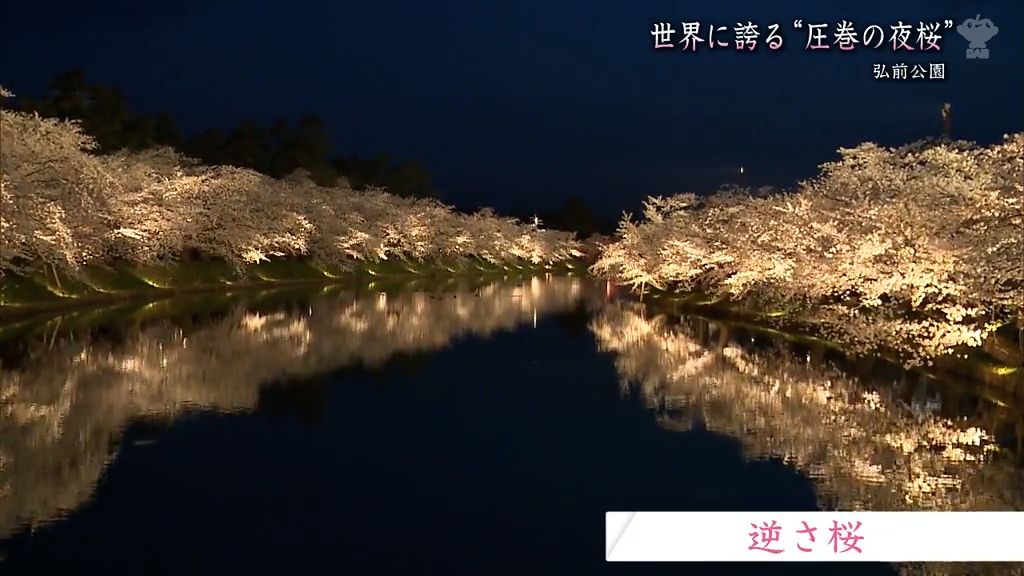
(741, 169)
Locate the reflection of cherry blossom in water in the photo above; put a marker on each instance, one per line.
(865, 449)
(63, 407)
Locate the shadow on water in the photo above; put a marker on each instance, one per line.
(480, 433)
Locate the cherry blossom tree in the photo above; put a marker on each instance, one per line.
(928, 238)
(62, 207)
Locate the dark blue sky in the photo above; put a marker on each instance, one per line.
(522, 104)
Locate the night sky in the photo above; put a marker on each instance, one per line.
(521, 105)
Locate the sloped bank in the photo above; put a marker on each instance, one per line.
(45, 289)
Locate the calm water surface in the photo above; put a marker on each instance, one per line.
(478, 428)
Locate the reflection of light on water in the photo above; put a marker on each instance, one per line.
(63, 408)
(865, 448)
(254, 321)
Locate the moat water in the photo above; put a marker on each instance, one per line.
(475, 428)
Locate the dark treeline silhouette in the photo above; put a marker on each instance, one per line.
(276, 150)
(575, 216)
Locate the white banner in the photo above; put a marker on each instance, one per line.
(814, 536)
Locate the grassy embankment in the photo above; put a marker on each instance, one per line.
(45, 289)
